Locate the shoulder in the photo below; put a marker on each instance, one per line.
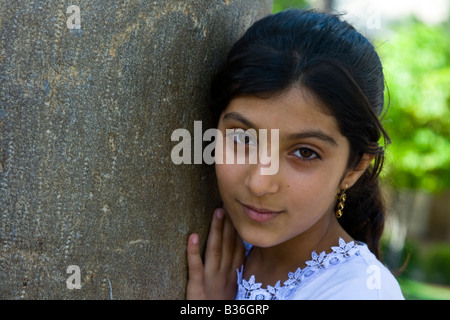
(363, 277)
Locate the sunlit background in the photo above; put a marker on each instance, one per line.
(413, 40)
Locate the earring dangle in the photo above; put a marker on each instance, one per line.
(340, 206)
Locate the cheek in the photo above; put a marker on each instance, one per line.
(312, 194)
(228, 178)
(221, 175)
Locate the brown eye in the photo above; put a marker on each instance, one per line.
(243, 137)
(305, 154)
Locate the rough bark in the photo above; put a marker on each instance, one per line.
(86, 117)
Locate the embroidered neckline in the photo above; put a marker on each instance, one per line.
(252, 290)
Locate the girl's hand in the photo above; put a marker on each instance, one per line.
(216, 278)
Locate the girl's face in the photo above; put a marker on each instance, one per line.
(267, 210)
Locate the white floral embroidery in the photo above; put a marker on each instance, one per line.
(252, 290)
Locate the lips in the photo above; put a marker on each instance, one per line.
(260, 214)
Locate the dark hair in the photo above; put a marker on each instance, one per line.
(329, 58)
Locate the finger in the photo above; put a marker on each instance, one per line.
(213, 252)
(194, 258)
(228, 244)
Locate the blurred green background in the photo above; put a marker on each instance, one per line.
(413, 41)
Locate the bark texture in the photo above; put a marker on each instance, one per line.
(87, 109)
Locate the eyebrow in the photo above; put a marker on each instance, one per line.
(238, 117)
(317, 134)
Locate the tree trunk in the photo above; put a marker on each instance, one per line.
(91, 205)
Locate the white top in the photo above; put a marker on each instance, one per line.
(349, 272)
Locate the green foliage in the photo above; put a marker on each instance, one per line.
(415, 290)
(280, 5)
(437, 264)
(422, 269)
(425, 261)
(417, 68)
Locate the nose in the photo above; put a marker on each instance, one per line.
(261, 184)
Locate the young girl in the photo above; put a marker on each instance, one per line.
(312, 229)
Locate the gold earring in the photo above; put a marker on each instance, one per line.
(340, 206)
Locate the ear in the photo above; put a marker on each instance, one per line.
(353, 175)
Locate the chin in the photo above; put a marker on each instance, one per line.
(260, 241)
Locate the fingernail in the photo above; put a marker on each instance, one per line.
(219, 214)
(194, 238)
